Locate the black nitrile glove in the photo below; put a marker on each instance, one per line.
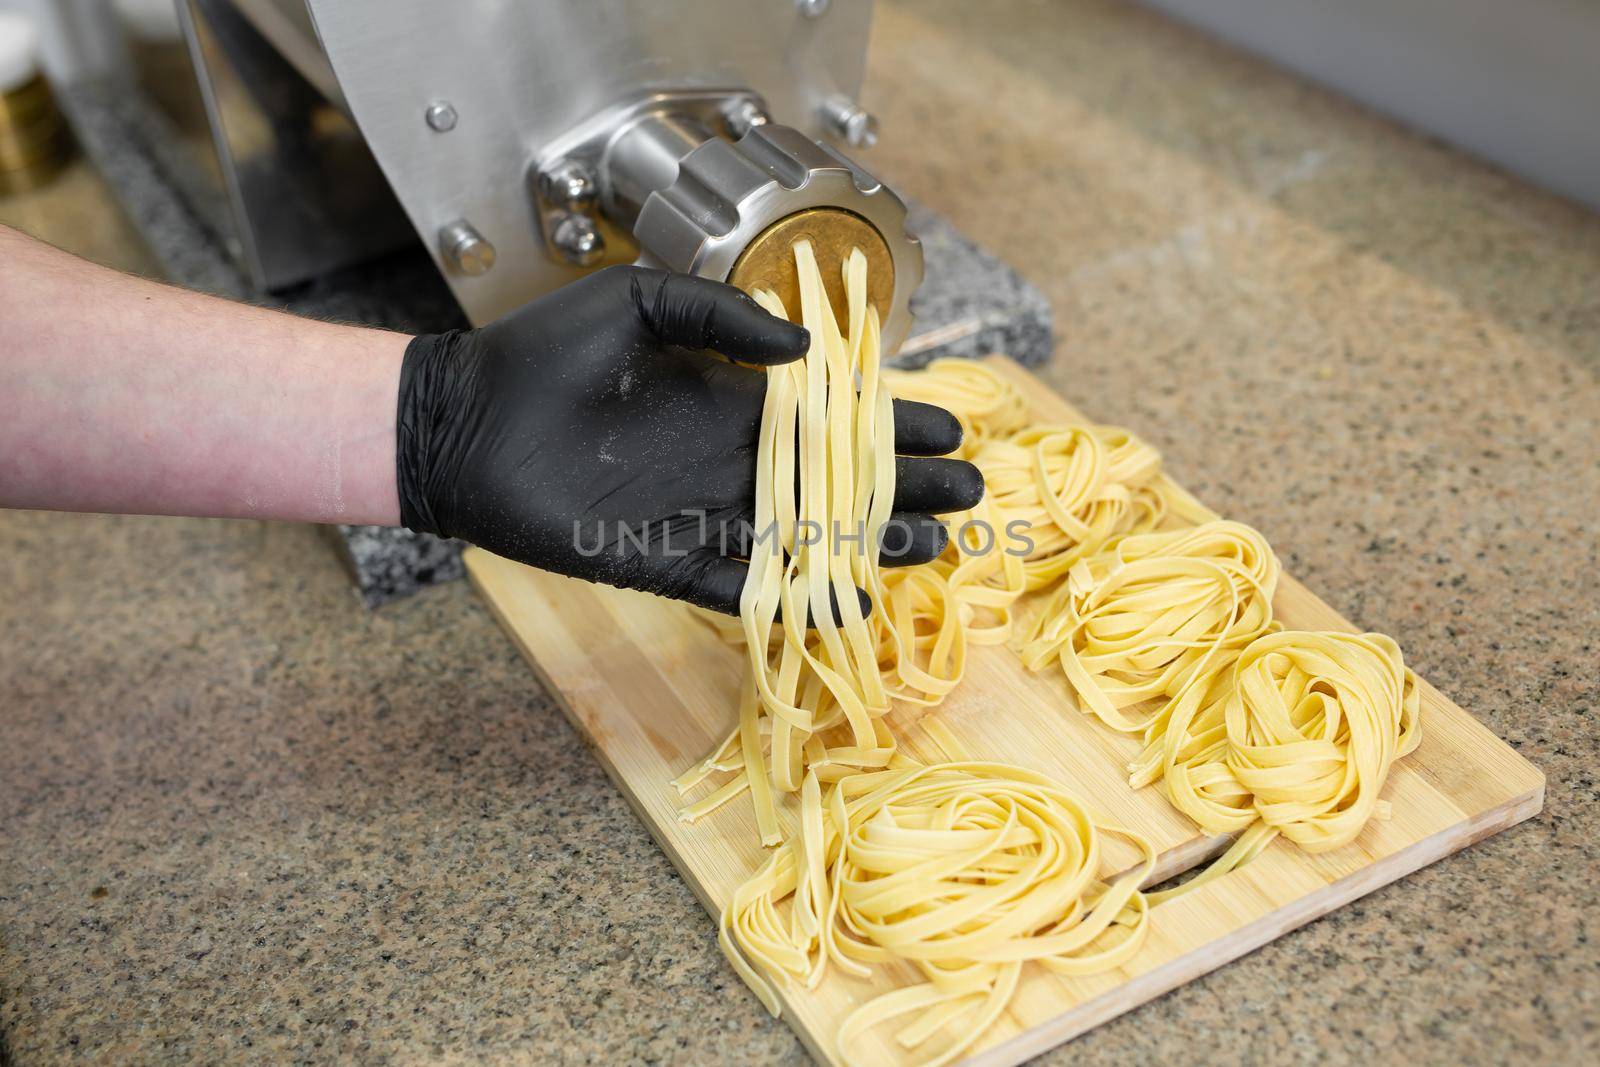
(597, 409)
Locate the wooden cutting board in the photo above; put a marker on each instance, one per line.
(653, 689)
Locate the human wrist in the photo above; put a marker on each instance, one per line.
(358, 413)
(429, 392)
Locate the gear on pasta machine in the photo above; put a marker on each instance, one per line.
(529, 142)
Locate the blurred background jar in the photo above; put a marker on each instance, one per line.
(35, 142)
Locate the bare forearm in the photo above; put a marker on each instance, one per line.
(123, 395)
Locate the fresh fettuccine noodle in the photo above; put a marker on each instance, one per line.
(967, 869)
(984, 403)
(928, 617)
(837, 444)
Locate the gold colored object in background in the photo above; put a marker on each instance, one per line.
(768, 261)
(35, 142)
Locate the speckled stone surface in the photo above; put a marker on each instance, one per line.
(970, 303)
(390, 562)
(245, 818)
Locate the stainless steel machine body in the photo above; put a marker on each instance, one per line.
(529, 141)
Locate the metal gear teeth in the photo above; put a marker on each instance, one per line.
(727, 192)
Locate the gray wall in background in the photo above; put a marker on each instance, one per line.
(77, 38)
(1516, 81)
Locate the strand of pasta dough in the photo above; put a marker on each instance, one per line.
(928, 617)
(968, 869)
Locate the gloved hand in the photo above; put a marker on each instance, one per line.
(597, 408)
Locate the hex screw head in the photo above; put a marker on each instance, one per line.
(742, 116)
(466, 248)
(813, 9)
(578, 239)
(569, 184)
(441, 116)
(850, 122)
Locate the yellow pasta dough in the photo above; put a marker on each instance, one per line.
(1300, 734)
(968, 869)
(984, 403)
(1153, 617)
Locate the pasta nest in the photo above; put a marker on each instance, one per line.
(1300, 734)
(985, 404)
(1154, 616)
(1075, 487)
(967, 869)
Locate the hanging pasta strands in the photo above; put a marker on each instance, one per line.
(928, 618)
(967, 869)
(815, 698)
(837, 444)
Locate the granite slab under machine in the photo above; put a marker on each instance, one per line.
(970, 302)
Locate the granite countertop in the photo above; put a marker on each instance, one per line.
(243, 817)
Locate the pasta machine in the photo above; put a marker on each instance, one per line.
(530, 141)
